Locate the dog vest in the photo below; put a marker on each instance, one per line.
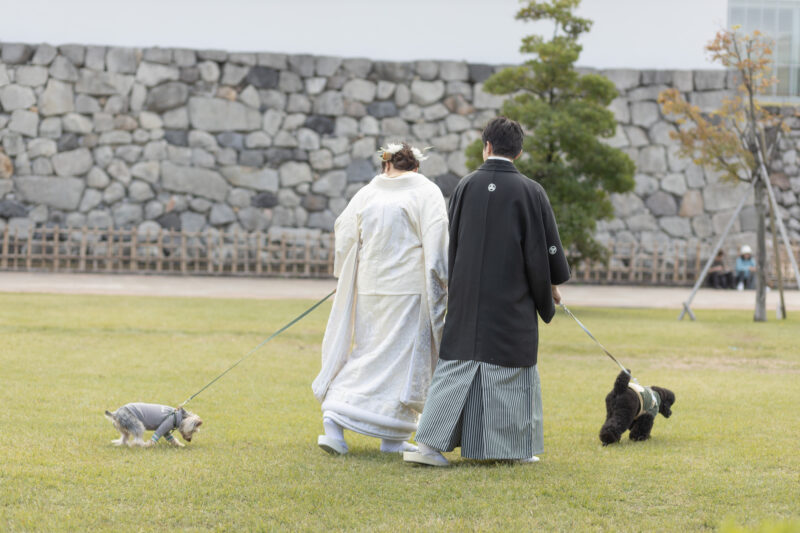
(649, 401)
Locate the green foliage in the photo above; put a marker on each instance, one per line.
(565, 115)
(729, 449)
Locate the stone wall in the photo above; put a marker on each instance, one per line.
(193, 139)
(675, 200)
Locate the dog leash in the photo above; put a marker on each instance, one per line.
(584, 328)
(265, 341)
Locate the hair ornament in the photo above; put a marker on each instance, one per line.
(386, 152)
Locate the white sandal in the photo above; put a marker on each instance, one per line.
(332, 446)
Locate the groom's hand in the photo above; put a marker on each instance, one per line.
(556, 294)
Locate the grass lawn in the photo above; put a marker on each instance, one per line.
(731, 450)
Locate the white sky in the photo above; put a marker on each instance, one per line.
(626, 33)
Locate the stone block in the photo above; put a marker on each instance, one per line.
(453, 71)
(44, 55)
(478, 73)
(259, 179)
(16, 53)
(359, 90)
(722, 196)
(263, 77)
(674, 183)
(623, 79)
(360, 170)
(139, 191)
(24, 122)
(356, 67)
(393, 70)
(706, 80)
(661, 203)
(16, 97)
(127, 215)
(32, 76)
(708, 101)
(327, 66)
(394, 127)
(691, 204)
(627, 205)
(329, 103)
(643, 222)
(402, 95)
(676, 227)
(73, 163)
(484, 100)
(122, 60)
(103, 83)
(427, 92)
(60, 193)
(199, 182)
(148, 171)
(167, 96)
(294, 173)
(382, 109)
(233, 74)
(214, 114)
(644, 114)
(152, 74)
(652, 159)
(702, 226)
(220, 215)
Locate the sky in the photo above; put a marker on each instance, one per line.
(626, 33)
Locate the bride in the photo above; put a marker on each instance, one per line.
(382, 340)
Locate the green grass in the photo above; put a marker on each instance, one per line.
(729, 455)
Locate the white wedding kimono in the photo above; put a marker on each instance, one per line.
(381, 344)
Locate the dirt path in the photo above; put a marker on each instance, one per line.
(264, 288)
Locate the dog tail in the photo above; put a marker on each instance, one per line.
(109, 415)
(621, 384)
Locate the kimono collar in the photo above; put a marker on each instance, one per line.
(409, 180)
(502, 165)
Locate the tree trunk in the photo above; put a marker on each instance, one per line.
(761, 253)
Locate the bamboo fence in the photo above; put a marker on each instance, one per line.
(299, 254)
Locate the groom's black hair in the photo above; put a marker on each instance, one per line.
(505, 135)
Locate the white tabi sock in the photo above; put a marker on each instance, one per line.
(332, 429)
(396, 446)
(424, 449)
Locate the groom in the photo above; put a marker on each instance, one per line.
(505, 260)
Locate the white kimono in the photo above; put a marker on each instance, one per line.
(381, 344)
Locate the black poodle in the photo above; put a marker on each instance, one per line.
(631, 406)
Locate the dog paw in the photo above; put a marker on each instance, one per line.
(178, 444)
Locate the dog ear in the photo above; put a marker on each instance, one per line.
(667, 399)
(199, 423)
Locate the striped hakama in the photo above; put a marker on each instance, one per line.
(490, 411)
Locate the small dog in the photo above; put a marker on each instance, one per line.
(133, 419)
(631, 406)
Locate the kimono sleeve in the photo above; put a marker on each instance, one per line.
(557, 259)
(435, 237)
(345, 233)
(545, 261)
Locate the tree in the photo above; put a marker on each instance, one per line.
(734, 139)
(564, 113)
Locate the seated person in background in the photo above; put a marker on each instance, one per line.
(745, 267)
(719, 277)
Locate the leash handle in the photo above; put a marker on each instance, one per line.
(584, 328)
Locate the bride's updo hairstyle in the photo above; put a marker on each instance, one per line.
(402, 156)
